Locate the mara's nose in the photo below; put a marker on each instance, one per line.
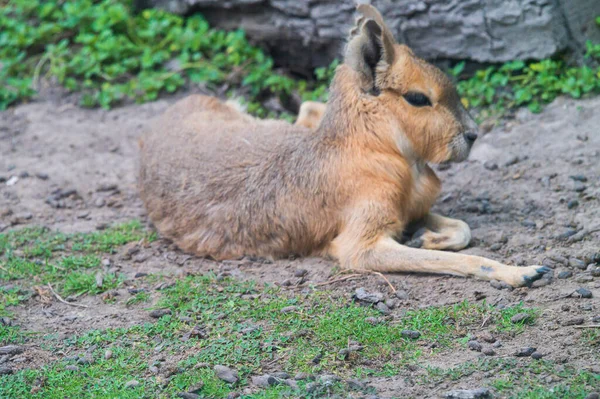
(471, 136)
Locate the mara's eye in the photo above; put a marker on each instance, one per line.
(417, 99)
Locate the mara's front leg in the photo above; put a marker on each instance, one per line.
(441, 233)
(384, 254)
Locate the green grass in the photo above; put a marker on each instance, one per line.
(321, 325)
(524, 379)
(38, 256)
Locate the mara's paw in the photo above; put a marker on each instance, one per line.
(530, 274)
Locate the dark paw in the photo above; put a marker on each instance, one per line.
(541, 272)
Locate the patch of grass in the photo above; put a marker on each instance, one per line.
(140, 297)
(251, 329)
(111, 54)
(524, 378)
(505, 324)
(40, 256)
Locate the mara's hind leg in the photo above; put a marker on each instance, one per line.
(441, 233)
(310, 115)
(384, 254)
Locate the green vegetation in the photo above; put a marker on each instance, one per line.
(250, 329)
(524, 379)
(37, 256)
(109, 54)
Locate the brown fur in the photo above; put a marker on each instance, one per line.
(220, 183)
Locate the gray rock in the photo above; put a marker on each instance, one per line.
(489, 165)
(474, 346)
(382, 307)
(226, 374)
(478, 393)
(188, 395)
(402, 295)
(372, 297)
(593, 395)
(72, 367)
(158, 313)
(565, 274)
(306, 34)
(6, 370)
(264, 381)
(489, 352)
(289, 309)
(410, 334)
(132, 384)
(525, 351)
(583, 293)
(520, 318)
(537, 355)
(11, 350)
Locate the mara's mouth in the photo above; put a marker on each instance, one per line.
(460, 148)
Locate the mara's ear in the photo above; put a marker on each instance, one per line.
(371, 46)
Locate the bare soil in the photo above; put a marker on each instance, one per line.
(530, 192)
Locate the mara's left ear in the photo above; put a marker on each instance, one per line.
(370, 48)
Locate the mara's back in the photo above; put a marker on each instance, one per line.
(219, 182)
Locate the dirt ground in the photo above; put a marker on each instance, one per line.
(530, 192)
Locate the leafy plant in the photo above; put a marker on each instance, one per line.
(109, 54)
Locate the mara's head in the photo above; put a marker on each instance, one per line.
(420, 103)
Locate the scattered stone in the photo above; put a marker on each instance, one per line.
(574, 322)
(264, 381)
(566, 234)
(132, 384)
(478, 393)
(489, 165)
(42, 176)
(577, 263)
(11, 350)
(410, 334)
(487, 337)
(382, 307)
(300, 273)
(402, 295)
(583, 292)
(520, 318)
(197, 387)
(372, 320)
(302, 376)
(489, 352)
(525, 351)
(595, 272)
(474, 346)
(99, 203)
(371, 297)
(188, 395)
(565, 274)
(107, 187)
(511, 161)
(12, 181)
(289, 309)
(85, 360)
(501, 285)
(282, 375)
(317, 359)
(356, 385)
(579, 187)
(528, 223)
(158, 313)
(593, 395)
(572, 204)
(584, 278)
(328, 379)
(226, 374)
(72, 367)
(497, 344)
(541, 282)
(496, 247)
(537, 355)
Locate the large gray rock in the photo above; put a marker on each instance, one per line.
(303, 34)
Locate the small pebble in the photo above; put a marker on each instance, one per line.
(372, 320)
(474, 346)
(72, 367)
(402, 295)
(565, 274)
(574, 322)
(489, 352)
(577, 263)
(593, 395)
(489, 165)
(158, 313)
(188, 395)
(495, 247)
(512, 160)
(479, 393)
(410, 334)
(595, 272)
(520, 318)
(300, 273)
(572, 204)
(583, 292)
(371, 297)
(42, 176)
(5, 370)
(525, 351)
(382, 307)
(226, 374)
(132, 384)
(289, 309)
(536, 355)
(566, 234)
